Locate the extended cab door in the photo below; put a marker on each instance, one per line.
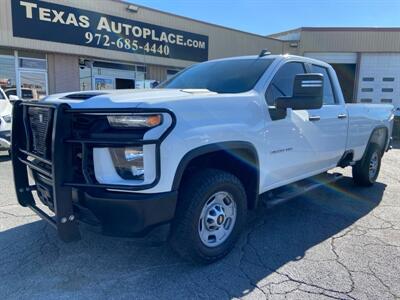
(291, 140)
(330, 123)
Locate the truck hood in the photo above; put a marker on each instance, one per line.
(127, 98)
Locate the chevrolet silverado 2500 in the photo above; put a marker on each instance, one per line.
(196, 152)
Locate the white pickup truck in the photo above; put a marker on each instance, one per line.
(197, 152)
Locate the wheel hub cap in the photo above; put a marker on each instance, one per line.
(373, 165)
(217, 219)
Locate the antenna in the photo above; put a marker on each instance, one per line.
(264, 52)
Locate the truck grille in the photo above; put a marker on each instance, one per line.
(40, 121)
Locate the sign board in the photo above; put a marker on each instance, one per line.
(45, 21)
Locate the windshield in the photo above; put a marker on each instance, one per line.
(225, 76)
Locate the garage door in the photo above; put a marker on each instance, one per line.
(379, 79)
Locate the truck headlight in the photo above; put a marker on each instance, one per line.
(134, 120)
(128, 162)
(7, 118)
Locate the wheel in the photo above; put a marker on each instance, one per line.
(366, 171)
(210, 216)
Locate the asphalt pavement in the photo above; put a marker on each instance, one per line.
(339, 241)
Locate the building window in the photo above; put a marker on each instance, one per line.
(85, 74)
(367, 90)
(368, 79)
(32, 75)
(26, 69)
(33, 85)
(366, 100)
(85, 78)
(98, 75)
(7, 70)
(387, 90)
(30, 63)
(386, 100)
(171, 73)
(388, 79)
(141, 69)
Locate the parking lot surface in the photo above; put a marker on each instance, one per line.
(338, 241)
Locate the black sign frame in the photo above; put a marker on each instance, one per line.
(39, 20)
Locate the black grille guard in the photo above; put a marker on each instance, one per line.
(61, 177)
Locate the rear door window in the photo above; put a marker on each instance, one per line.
(329, 96)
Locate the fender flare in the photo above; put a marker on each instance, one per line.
(209, 148)
(387, 138)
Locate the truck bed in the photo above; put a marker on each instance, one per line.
(363, 118)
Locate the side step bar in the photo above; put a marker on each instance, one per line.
(298, 188)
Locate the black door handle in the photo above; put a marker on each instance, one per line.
(314, 118)
(342, 116)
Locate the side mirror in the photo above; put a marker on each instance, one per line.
(13, 98)
(308, 91)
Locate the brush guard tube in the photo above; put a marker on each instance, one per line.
(60, 177)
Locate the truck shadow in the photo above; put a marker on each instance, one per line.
(34, 262)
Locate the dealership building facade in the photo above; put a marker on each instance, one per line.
(66, 45)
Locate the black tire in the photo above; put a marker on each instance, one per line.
(361, 170)
(193, 196)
